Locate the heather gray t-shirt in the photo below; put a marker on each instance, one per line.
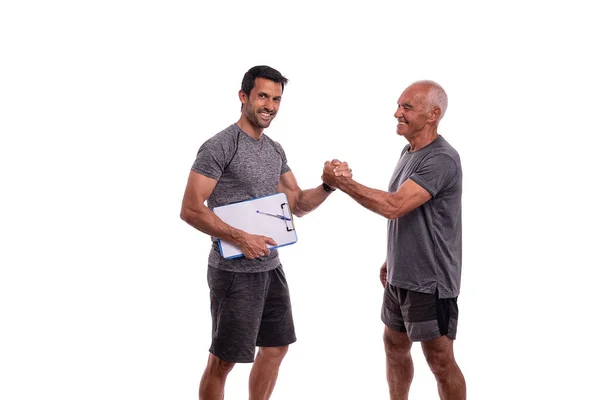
(245, 168)
(425, 246)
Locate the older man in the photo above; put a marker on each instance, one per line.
(422, 271)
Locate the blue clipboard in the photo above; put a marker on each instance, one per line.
(268, 216)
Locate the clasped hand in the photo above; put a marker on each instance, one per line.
(334, 171)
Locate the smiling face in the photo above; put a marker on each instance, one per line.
(260, 107)
(414, 112)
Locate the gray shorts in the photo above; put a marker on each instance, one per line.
(249, 310)
(422, 316)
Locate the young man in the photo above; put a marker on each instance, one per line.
(250, 301)
(421, 274)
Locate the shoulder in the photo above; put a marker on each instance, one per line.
(226, 135)
(442, 152)
(222, 140)
(438, 159)
(446, 148)
(273, 143)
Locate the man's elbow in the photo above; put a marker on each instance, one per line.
(301, 209)
(299, 214)
(393, 216)
(393, 213)
(297, 207)
(297, 211)
(185, 214)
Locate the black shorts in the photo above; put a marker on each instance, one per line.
(422, 316)
(249, 310)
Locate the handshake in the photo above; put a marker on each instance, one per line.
(335, 172)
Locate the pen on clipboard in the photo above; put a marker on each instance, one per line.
(283, 217)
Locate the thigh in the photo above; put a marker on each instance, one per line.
(391, 312)
(277, 323)
(237, 301)
(428, 317)
(438, 350)
(396, 342)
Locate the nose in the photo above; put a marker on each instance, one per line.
(270, 105)
(398, 113)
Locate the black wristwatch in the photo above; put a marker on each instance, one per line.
(328, 188)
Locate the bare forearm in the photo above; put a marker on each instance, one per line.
(378, 201)
(309, 199)
(207, 222)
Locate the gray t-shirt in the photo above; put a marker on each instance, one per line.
(245, 168)
(425, 245)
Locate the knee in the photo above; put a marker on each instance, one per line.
(440, 363)
(274, 354)
(218, 366)
(396, 344)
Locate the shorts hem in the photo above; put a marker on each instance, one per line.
(431, 337)
(394, 327)
(232, 359)
(279, 344)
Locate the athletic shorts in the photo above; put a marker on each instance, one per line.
(249, 310)
(422, 316)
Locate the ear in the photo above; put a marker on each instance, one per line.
(434, 114)
(243, 97)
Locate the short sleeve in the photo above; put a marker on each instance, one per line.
(284, 165)
(211, 159)
(436, 173)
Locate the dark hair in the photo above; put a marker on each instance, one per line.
(261, 71)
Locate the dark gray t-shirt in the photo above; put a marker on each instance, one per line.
(245, 168)
(425, 245)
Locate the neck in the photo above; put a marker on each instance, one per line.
(422, 139)
(251, 130)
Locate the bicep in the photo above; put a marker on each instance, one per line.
(199, 188)
(288, 185)
(410, 196)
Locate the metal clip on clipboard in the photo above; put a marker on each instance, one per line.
(291, 218)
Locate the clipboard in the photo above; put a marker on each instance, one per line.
(268, 216)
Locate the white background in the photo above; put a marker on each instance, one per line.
(103, 106)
